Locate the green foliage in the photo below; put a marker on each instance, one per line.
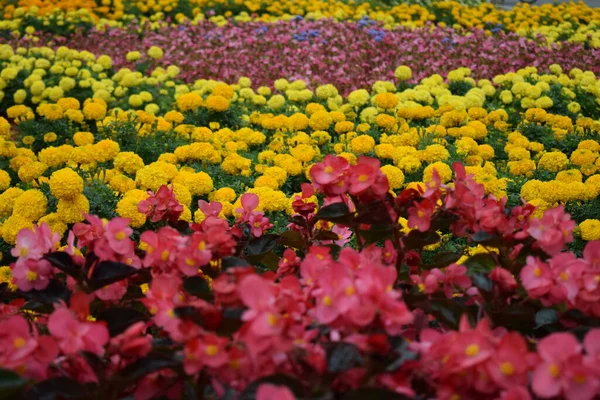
(102, 198)
(459, 88)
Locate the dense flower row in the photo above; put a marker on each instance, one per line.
(178, 311)
(81, 137)
(347, 55)
(567, 21)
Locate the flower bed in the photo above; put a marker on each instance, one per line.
(177, 220)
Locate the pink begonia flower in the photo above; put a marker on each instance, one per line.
(259, 296)
(208, 350)
(32, 274)
(117, 234)
(73, 336)
(536, 277)
(553, 230)
(562, 370)
(161, 206)
(267, 391)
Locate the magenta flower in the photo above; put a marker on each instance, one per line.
(73, 336)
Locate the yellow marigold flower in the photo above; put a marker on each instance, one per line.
(105, 150)
(553, 161)
(73, 210)
(12, 226)
(133, 55)
(403, 73)
(320, 121)
(128, 162)
(174, 117)
(199, 184)
(121, 183)
(583, 156)
(51, 112)
(66, 184)
(127, 207)
(50, 137)
(83, 138)
(4, 180)
(409, 163)
(182, 194)
(571, 175)
(362, 144)
(95, 111)
(29, 172)
(589, 144)
(443, 170)
(395, 176)
(217, 103)
(590, 229)
(223, 194)
(55, 223)
(266, 181)
(387, 101)
(7, 200)
(189, 101)
(31, 204)
(156, 52)
(6, 277)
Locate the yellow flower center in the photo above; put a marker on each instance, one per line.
(164, 255)
(350, 291)
(19, 342)
(507, 368)
(31, 276)
(327, 301)
(328, 169)
(120, 235)
(554, 370)
(211, 350)
(190, 262)
(472, 350)
(202, 245)
(564, 276)
(537, 272)
(272, 319)
(23, 252)
(363, 178)
(579, 378)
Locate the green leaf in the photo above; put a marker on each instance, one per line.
(482, 282)
(291, 239)
(107, 272)
(373, 393)
(64, 262)
(198, 286)
(418, 240)
(326, 235)
(55, 292)
(441, 260)
(118, 319)
(546, 316)
(343, 356)
(229, 262)
(338, 213)
(262, 245)
(10, 384)
(60, 388)
(151, 363)
(486, 238)
(480, 263)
